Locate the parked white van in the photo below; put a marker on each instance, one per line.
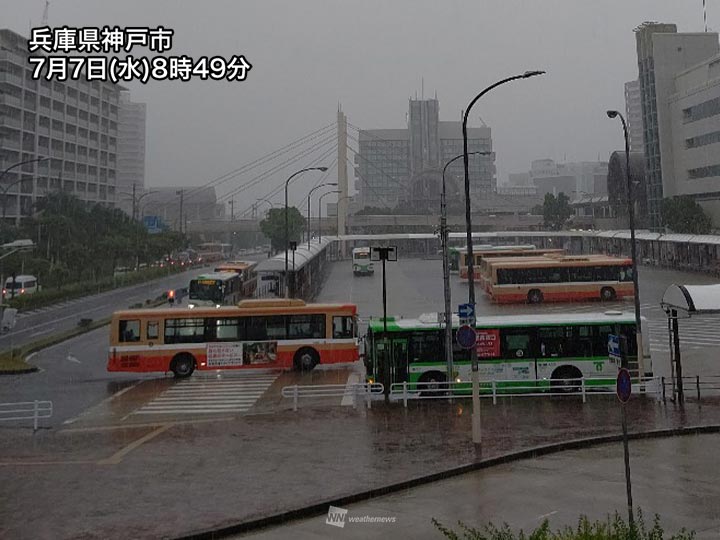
(23, 285)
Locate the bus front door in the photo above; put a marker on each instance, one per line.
(392, 361)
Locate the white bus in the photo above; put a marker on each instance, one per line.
(215, 289)
(361, 263)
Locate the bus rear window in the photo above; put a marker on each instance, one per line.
(343, 327)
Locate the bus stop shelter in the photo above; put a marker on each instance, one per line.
(683, 302)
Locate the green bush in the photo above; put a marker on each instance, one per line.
(615, 528)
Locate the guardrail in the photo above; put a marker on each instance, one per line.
(26, 410)
(513, 388)
(691, 384)
(353, 391)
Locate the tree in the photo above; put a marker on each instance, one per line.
(273, 226)
(685, 216)
(556, 211)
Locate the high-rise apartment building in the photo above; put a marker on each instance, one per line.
(395, 166)
(130, 150)
(633, 115)
(73, 123)
(663, 53)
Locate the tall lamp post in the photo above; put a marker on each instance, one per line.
(309, 223)
(468, 222)
(287, 232)
(320, 210)
(633, 249)
(5, 189)
(444, 237)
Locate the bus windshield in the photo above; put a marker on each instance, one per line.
(206, 289)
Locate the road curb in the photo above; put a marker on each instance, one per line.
(320, 508)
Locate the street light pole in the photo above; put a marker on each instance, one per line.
(287, 232)
(309, 222)
(633, 249)
(320, 211)
(7, 188)
(444, 238)
(468, 222)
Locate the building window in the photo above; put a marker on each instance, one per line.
(704, 172)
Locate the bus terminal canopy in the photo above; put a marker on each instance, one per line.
(693, 299)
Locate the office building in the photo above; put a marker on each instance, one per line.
(73, 123)
(403, 167)
(633, 116)
(130, 151)
(662, 54)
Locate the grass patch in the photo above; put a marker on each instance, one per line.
(13, 361)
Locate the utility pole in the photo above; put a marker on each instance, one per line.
(182, 197)
(232, 210)
(134, 203)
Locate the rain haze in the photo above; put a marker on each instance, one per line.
(371, 56)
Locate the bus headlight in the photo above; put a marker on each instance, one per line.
(191, 306)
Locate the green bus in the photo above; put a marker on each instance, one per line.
(529, 351)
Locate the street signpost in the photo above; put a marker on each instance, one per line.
(623, 389)
(378, 253)
(466, 313)
(466, 336)
(614, 353)
(624, 385)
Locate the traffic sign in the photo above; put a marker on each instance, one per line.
(624, 385)
(466, 311)
(466, 336)
(614, 353)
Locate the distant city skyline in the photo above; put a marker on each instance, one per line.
(317, 58)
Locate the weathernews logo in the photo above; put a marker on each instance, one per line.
(337, 517)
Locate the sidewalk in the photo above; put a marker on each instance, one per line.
(173, 479)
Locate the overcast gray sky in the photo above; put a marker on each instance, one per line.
(371, 55)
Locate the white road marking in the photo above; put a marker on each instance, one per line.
(71, 358)
(348, 398)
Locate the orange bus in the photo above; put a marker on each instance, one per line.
(274, 333)
(558, 279)
(484, 270)
(247, 273)
(501, 251)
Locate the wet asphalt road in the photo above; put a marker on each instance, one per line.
(73, 373)
(46, 321)
(670, 478)
(289, 458)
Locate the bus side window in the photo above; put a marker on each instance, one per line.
(343, 328)
(152, 329)
(515, 343)
(130, 330)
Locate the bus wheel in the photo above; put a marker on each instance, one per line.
(306, 359)
(560, 379)
(535, 296)
(434, 386)
(607, 294)
(183, 365)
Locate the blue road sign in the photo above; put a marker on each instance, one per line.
(466, 337)
(466, 311)
(624, 385)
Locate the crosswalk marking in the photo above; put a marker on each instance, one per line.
(204, 395)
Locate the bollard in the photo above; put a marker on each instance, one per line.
(697, 385)
(663, 389)
(494, 392)
(35, 416)
(295, 398)
(368, 395)
(582, 389)
(405, 397)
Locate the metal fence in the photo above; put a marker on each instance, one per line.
(355, 392)
(26, 410)
(693, 386)
(513, 388)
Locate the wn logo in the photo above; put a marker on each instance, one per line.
(336, 516)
